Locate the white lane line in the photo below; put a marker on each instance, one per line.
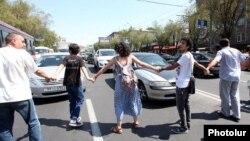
(212, 96)
(97, 136)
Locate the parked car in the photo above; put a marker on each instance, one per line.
(42, 89)
(41, 50)
(167, 56)
(102, 56)
(205, 59)
(151, 84)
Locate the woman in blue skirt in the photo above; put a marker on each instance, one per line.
(126, 98)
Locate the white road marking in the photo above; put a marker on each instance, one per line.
(97, 136)
(212, 96)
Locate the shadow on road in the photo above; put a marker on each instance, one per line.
(42, 101)
(111, 83)
(205, 116)
(92, 69)
(62, 124)
(151, 104)
(162, 132)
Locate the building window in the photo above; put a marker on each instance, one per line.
(241, 21)
(238, 38)
(241, 37)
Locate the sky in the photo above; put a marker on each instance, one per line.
(83, 21)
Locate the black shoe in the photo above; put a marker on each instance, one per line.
(188, 126)
(180, 131)
(235, 119)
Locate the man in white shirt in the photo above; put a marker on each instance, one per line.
(184, 71)
(15, 92)
(230, 70)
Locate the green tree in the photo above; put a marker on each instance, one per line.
(228, 13)
(25, 17)
(197, 34)
(161, 36)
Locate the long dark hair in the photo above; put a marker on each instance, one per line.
(122, 49)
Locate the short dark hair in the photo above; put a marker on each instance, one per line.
(224, 42)
(11, 36)
(122, 49)
(217, 47)
(74, 48)
(188, 42)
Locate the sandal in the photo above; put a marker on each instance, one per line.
(136, 125)
(116, 130)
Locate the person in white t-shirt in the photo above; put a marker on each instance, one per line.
(15, 92)
(184, 67)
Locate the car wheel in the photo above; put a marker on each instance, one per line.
(142, 91)
(95, 65)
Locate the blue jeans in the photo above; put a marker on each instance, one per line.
(27, 110)
(76, 98)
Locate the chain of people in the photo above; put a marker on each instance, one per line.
(15, 62)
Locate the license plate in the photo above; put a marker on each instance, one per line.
(57, 88)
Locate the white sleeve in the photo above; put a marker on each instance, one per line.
(218, 56)
(182, 60)
(29, 62)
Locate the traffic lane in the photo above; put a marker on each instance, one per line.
(53, 114)
(103, 101)
(211, 85)
(157, 118)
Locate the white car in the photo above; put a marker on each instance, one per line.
(102, 56)
(151, 84)
(49, 63)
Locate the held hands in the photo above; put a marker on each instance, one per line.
(48, 79)
(207, 72)
(157, 68)
(91, 79)
(53, 77)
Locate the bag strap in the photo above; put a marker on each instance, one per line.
(119, 63)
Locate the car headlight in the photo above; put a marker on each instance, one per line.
(159, 83)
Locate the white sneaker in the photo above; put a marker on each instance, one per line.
(78, 120)
(76, 123)
(72, 123)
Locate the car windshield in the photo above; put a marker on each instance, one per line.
(63, 50)
(107, 53)
(42, 51)
(154, 60)
(50, 60)
(210, 56)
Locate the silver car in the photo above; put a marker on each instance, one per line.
(154, 85)
(49, 63)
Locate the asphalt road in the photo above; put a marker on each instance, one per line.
(157, 119)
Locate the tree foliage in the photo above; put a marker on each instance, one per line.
(25, 17)
(225, 15)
